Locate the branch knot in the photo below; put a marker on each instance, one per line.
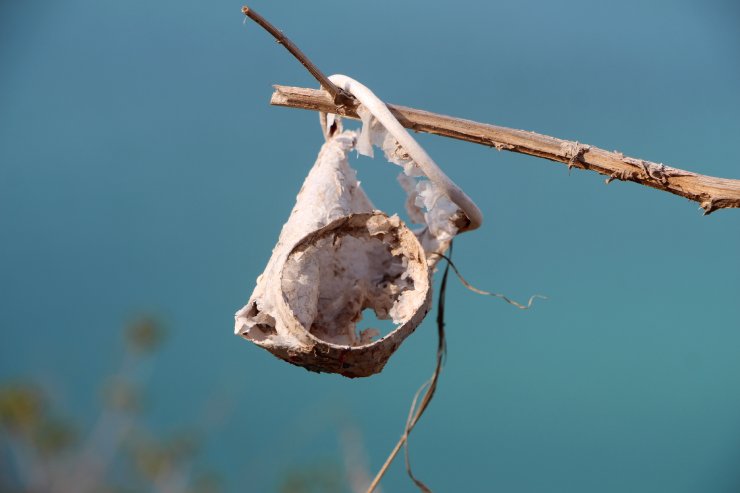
(574, 152)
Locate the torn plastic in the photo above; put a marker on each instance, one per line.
(336, 256)
(401, 147)
(427, 203)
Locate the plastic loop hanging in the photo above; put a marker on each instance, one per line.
(337, 256)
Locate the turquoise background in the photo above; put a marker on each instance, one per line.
(142, 170)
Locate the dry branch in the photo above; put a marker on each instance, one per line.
(337, 94)
(710, 192)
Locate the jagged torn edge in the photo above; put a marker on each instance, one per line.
(426, 204)
(335, 257)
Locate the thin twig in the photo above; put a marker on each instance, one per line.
(338, 96)
(710, 192)
(430, 385)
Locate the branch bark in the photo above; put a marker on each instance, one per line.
(710, 192)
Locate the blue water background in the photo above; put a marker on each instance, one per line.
(143, 171)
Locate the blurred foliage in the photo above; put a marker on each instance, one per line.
(145, 335)
(206, 483)
(122, 395)
(25, 415)
(40, 452)
(315, 478)
(20, 407)
(54, 436)
(155, 458)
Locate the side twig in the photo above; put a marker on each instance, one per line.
(710, 192)
(338, 96)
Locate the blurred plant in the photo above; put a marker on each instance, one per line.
(43, 453)
(316, 478)
(20, 408)
(145, 335)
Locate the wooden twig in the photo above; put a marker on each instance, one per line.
(710, 192)
(338, 96)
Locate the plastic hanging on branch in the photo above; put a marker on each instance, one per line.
(337, 255)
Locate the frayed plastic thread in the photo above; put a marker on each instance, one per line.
(488, 293)
(430, 386)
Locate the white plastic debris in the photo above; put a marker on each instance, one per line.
(337, 256)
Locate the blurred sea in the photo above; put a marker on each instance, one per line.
(142, 172)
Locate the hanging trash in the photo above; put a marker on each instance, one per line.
(336, 256)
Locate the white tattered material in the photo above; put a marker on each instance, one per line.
(337, 256)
